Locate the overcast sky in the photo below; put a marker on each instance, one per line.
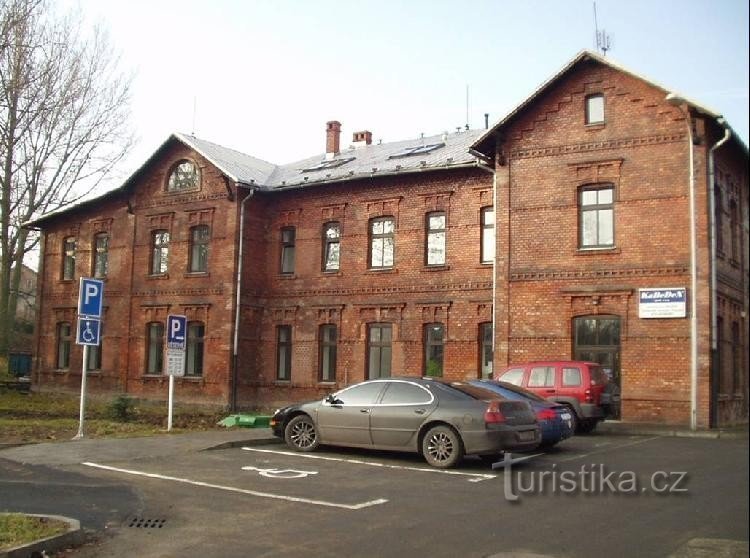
(263, 77)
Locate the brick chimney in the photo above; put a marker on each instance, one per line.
(362, 138)
(333, 136)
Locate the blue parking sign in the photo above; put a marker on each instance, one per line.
(176, 332)
(90, 297)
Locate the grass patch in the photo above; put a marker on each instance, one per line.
(17, 529)
(39, 417)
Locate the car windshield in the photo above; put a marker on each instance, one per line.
(463, 390)
(509, 390)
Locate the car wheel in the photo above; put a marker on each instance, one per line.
(574, 420)
(300, 434)
(587, 426)
(442, 447)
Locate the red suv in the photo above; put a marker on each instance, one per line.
(582, 386)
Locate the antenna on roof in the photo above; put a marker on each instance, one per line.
(195, 103)
(467, 106)
(603, 43)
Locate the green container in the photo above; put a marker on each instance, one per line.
(246, 421)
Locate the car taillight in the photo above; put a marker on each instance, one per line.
(546, 414)
(589, 396)
(493, 414)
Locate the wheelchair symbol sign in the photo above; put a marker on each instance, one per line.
(89, 331)
(280, 473)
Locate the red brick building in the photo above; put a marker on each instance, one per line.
(385, 259)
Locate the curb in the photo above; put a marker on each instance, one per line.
(73, 537)
(621, 429)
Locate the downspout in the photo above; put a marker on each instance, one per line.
(494, 266)
(712, 217)
(715, 360)
(38, 308)
(238, 287)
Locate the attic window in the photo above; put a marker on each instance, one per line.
(184, 176)
(595, 109)
(417, 150)
(331, 164)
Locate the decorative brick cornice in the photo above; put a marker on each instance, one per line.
(562, 275)
(180, 292)
(369, 291)
(587, 147)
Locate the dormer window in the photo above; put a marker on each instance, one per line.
(184, 176)
(595, 109)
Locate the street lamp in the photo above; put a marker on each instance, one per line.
(678, 101)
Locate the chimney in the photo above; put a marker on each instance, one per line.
(362, 138)
(333, 135)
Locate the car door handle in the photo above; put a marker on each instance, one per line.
(420, 411)
(364, 410)
(550, 391)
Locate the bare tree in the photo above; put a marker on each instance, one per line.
(64, 124)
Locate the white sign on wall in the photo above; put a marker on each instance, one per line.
(662, 303)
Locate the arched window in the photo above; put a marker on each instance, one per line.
(101, 255)
(183, 176)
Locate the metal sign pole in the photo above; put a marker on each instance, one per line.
(83, 393)
(171, 401)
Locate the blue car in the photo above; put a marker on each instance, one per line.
(555, 421)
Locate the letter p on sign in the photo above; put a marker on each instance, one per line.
(90, 298)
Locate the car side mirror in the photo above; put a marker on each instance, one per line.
(331, 399)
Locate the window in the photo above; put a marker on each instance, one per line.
(485, 350)
(736, 364)
(513, 376)
(734, 226)
(101, 255)
(331, 246)
(284, 353)
(329, 164)
(195, 349)
(365, 394)
(571, 376)
(435, 241)
(542, 376)
(719, 224)
(378, 351)
(63, 345)
(404, 393)
(595, 109)
(488, 235)
(382, 242)
(155, 348)
(416, 150)
(159, 252)
(597, 217)
(184, 176)
(69, 258)
(199, 249)
(94, 362)
(433, 347)
(288, 236)
(327, 339)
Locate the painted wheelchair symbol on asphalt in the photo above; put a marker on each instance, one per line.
(280, 473)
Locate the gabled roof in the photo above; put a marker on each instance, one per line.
(418, 155)
(484, 143)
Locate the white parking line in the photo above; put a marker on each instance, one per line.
(241, 490)
(477, 477)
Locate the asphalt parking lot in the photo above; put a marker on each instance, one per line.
(596, 495)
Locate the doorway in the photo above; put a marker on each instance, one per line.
(597, 339)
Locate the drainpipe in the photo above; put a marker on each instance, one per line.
(494, 267)
(677, 101)
(238, 287)
(712, 217)
(715, 360)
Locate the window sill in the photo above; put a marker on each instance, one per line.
(326, 383)
(381, 270)
(157, 277)
(594, 126)
(286, 276)
(431, 268)
(67, 281)
(196, 274)
(332, 273)
(282, 383)
(595, 251)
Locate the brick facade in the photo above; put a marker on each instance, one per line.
(541, 157)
